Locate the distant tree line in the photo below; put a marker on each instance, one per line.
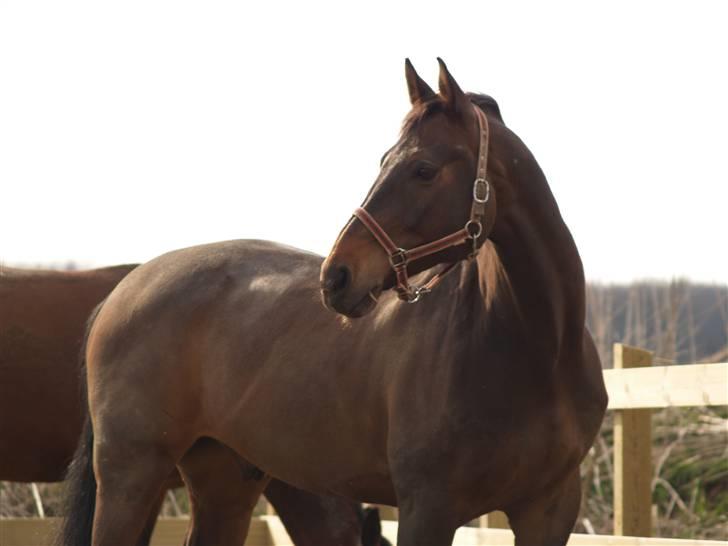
(679, 321)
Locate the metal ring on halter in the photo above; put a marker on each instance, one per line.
(474, 234)
(476, 185)
(415, 295)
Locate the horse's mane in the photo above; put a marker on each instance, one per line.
(488, 104)
(485, 102)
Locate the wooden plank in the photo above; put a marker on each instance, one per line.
(632, 456)
(494, 520)
(168, 532)
(269, 531)
(277, 532)
(171, 532)
(387, 512)
(263, 508)
(668, 386)
(476, 536)
(27, 531)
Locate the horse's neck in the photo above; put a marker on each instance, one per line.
(530, 274)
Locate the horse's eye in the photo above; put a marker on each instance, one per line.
(425, 171)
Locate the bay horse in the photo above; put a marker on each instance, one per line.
(43, 314)
(484, 395)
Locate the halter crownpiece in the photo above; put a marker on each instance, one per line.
(400, 257)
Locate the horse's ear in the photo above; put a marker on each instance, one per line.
(450, 90)
(418, 89)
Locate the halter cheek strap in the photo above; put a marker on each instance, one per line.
(473, 229)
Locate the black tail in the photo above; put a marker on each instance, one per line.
(80, 498)
(80, 495)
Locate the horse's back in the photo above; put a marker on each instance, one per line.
(165, 323)
(195, 279)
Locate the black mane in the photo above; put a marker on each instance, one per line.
(485, 102)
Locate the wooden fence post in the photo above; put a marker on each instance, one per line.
(632, 456)
(494, 520)
(264, 507)
(386, 512)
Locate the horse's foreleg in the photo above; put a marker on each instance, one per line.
(424, 521)
(548, 520)
(224, 490)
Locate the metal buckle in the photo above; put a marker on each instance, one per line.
(414, 294)
(398, 259)
(481, 187)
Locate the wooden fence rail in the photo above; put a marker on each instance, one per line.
(668, 386)
(269, 531)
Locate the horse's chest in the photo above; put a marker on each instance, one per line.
(496, 452)
(503, 455)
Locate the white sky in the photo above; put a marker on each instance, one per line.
(131, 128)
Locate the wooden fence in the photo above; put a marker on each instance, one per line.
(635, 388)
(269, 531)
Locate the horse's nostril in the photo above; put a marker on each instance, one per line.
(338, 279)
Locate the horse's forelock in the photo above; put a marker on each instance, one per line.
(420, 111)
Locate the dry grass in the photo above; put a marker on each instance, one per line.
(690, 475)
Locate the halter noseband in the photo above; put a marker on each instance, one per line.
(399, 257)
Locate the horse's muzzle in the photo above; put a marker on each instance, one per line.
(339, 294)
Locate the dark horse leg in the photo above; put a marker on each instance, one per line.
(130, 478)
(223, 490)
(146, 536)
(549, 519)
(313, 520)
(424, 520)
(173, 482)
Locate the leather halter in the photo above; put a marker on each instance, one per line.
(400, 257)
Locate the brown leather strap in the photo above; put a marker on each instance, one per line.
(375, 229)
(453, 239)
(481, 187)
(399, 257)
(434, 281)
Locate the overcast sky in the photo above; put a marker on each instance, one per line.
(128, 129)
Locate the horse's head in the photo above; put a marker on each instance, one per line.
(431, 189)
